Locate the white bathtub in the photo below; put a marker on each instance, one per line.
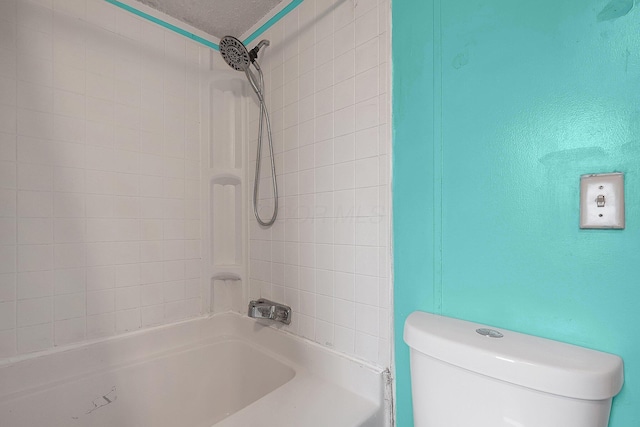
(225, 370)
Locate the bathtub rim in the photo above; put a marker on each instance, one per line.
(39, 368)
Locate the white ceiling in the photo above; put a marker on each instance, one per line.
(216, 17)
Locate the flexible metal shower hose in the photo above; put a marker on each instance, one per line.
(264, 117)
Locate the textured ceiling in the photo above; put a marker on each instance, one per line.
(216, 17)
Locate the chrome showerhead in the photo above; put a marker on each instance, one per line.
(236, 54)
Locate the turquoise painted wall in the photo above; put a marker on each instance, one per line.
(498, 108)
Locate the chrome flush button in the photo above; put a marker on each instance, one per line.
(491, 333)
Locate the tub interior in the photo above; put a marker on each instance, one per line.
(195, 387)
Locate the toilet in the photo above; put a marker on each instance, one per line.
(468, 375)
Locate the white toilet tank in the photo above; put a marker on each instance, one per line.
(469, 375)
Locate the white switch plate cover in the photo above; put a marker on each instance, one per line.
(609, 185)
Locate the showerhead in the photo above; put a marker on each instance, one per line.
(236, 54)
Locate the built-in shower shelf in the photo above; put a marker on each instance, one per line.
(227, 294)
(225, 272)
(226, 176)
(224, 179)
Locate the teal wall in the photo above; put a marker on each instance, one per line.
(498, 108)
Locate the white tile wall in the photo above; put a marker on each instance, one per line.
(327, 255)
(99, 175)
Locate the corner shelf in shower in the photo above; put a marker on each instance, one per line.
(232, 176)
(227, 272)
(225, 187)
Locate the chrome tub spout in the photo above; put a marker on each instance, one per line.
(265, 309)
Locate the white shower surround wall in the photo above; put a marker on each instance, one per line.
(108, 153)
(327, 256)
(100, 182)
(101, 186)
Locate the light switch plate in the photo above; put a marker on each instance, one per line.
(602, 200)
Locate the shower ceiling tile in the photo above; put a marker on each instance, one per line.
(216, 17)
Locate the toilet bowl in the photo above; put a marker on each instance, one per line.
(469, 375)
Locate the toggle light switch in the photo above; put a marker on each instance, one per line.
(602, 200)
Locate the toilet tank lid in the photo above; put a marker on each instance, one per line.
(538, 363)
